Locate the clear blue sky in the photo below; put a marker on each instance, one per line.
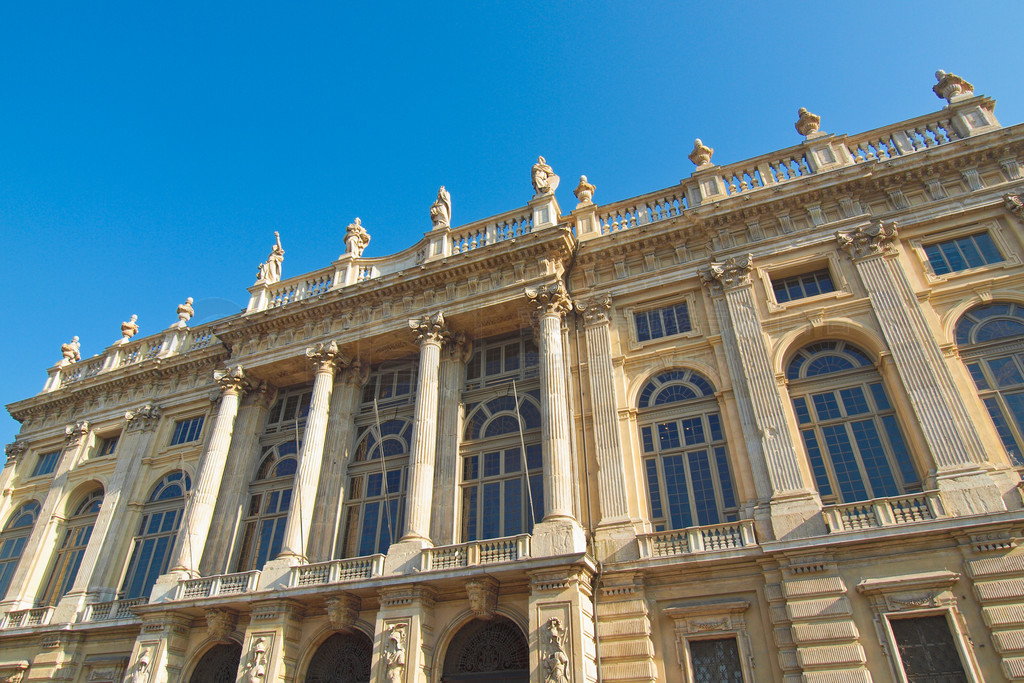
(148, 151)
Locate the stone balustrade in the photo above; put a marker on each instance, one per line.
(222, 584)
(112, 610)
(698, 539)
(26, 618)
(337, 571)
(474, 553)
(881, 512)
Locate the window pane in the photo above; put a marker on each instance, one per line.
(927, 650)
(1013, 448)
(844, 464)
(677, 492)
(715, 661)
(817, 463)
(879, 474)
(1004, 372)
(703, 488)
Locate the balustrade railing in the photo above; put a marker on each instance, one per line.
(649, 208)
(112, 610)
(297, 289)
(698, 539)
(893, 141)
(880, 512)
(222, 584)
(337, 571)
(489, 551)
(24, 618)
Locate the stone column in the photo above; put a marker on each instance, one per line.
(939, 409)
(559, 532)
(326, 359)
(562, 628)
(195, 527)
(404, 635)
(794, 506)
(449, 433)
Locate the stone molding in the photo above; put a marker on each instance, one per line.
(552, 299)
(74, 433)
(867, 240)
(430, 329)
(404, 596)
(144, 418)
(733, 272)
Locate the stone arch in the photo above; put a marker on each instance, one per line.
(640, 380)
(76, 497)
(219, 664)
(493, 650)
(840, 329)
(951, 319)
(343, 657)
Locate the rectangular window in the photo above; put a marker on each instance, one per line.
(927, 651)
(47, 464)
(187, 431)
(107, 446)
(716, 660)
(803, 285)
(962, 253)
(663, 322)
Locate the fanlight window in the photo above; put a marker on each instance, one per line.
(848, 424)
(492, 649)
(342, 658)
(686, 462)
(157, 533)
(13, 540)
(991, 341)
(74, 541)
(270, 497)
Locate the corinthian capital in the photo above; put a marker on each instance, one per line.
(144, 417)
(732, 272)
(595, 309)
(231, 380)
(458, 347)
(867, 240)
(356, 373)
(326, 357)
(430, 329)
(15, 450)
(76, 432)
(550, 299)
(1014, 203)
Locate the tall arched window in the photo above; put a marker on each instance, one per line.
(991, 343)
(502, 490)
(159, 528)
(13, 540)
(685, 458)
(848, 424)
(270, 497)
(75, 539)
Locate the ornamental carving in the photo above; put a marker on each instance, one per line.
(343, 611)
(356, 238)
(393, 654)
(701, 154)
(807, 124)
(71, 352)
(256, 669)
(544, 180)
(556, 663)
(356, 373)
(129, 329)
(220, 623)
(231, 380)
(951, 86)
(867, 240)
(596, 309)
(261, 394)
(15, 677)
(430, 329)
(483, 596)
(550, 299)
(140, 672)
(584, 192)
(185, 313)
(732, 272)
(74, 434)
(459, 348)
(15, 450)
(325, 357)
(1015, 204)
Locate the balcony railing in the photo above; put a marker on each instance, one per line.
(881, 512)
(337, 571)
(223, 584)
(490, 551)
(23, 618)
(113, 610)
(698, 539)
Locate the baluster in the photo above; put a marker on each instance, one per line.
(804, 170)
(744, 185)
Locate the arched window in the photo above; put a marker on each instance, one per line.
(848, 424)
(487, 650)
(159, 528)
(685, 458)
(991, 343)
(13, 540)
(75, 539)
(270, 497)
(342, 658)
(502, 490)
(218, 665)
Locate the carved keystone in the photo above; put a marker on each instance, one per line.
(343, 611)
(483, 596)
(220, 623)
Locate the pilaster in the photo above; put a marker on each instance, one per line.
(446, 471)
(271, 645)
(159, 652)
(403, 644)
(996, 570)
(562, 626)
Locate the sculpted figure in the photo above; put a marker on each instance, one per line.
(394, 655)
(356, 238)
(270, 270)
(71, 351)
(185, 312)
(556, 662)
(441, 209)
(129, 329)
(544, 179)
(140, 672)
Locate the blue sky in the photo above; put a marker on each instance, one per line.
(149, 151)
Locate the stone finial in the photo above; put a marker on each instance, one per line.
(270, 270)
(220, 623)
(951, 87)
(441, 209)
(701, 154)
(584, 192)
(356, 238)
(544, 179)
(1014, 203)
(185, 313)
(129, 329)
(807, 124)
(71, 352)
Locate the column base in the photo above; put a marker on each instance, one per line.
(616, 542)
(969, 491)
(559, 536)
(795, 516)
(67, 610)
(405, 556)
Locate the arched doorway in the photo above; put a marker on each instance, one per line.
(218, 665)
(342, 658)
(493, 650)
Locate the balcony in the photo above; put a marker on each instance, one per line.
(698, 539)
(24, 618)
(474, 553)
(212, 586)
(112, 610)
(337, 571)
(884, 512)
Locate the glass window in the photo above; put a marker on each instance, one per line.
(686, 462)
(962, 253)
(662, 322)
(46, 464)
(74, 540)
(107, 445)
(154, 541)
(803, 285)
(187, 431)
(927, 650)
(715, 661)
(289, 411)
(270, 497)
(499, 361)
(13, 540)
(848, 425)
(989, 338)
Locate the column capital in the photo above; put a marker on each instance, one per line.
(143, 418)
(459, 347)
(596, 309)
(430, 329)
(231, 380)
(14, 451)
(550, 299)
(261, 394)
(74, 433)
(733, 272)
(326, 357)
(1014, 203)
(356, 373)
(867, 240)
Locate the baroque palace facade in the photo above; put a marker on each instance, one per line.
(764, 425)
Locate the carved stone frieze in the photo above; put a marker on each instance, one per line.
(868, 240)
(550, 299)
(596, 309)
(220, 623)
(343, 611)
(143, 418)
(1014, 203)
(483, 596)
(733, 272)
(74, 433)
(231, 380)
(326, 357)
(430, 329)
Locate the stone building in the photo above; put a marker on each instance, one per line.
(763, 425)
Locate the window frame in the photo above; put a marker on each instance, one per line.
(156, 506)
(179, 423)
(807, 264)
(688, 299)
(10, 534)
(995, 231)
(57, 585)
(41, 458)
(711, 621)
(111, 441)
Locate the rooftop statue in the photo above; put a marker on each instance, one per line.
(584, 192)
(951, 86)
(270, 270)
(129, 329)
(185, 313)
(356, 238)
(71, 351)
(808, 123)
(544, 179)
(701, 154)
(441, 209)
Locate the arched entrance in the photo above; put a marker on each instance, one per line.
(218, 665)
(492, 650)
(342, 658)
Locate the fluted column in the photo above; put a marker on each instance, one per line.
(446, 469)
(326, 359)
(431, 333)
(195, 526)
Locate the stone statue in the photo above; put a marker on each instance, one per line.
(258, 665)
(71, 351)
(140, 672)
(584, 192)
(185, 313)
(394, 654)
(544, 179)
(556, 663)
(270, 270)
(951, 87)
(356, 238)
(701, 154)
(441, 209)
(129, 329)
(807, 124)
